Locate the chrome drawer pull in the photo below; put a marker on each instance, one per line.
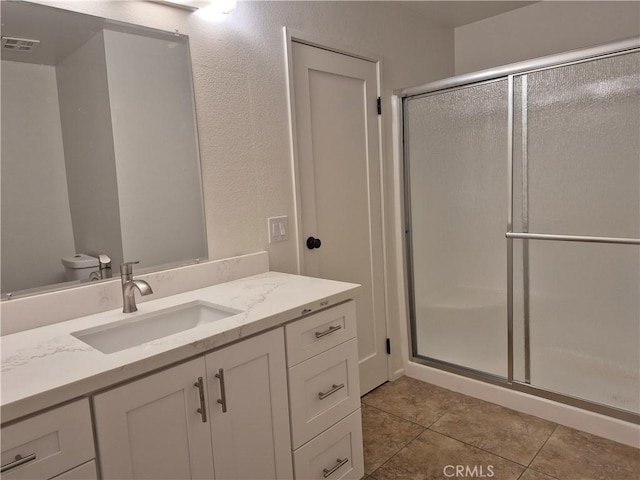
(223, 394)
(334, 389)
(328, 331)
(326, 472)
(203, 407)
(20, 460)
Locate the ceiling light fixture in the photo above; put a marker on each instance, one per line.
(220, 7)
(185, 5)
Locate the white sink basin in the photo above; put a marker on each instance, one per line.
(144, 328)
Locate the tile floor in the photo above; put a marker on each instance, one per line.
(417, 431)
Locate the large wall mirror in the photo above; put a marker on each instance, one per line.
(99, 149)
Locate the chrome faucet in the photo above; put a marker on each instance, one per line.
(129, 286)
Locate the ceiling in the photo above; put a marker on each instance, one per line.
(59, 31)
(454, 13)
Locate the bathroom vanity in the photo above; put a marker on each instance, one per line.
(270, 390)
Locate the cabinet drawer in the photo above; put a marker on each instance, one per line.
(336, 453)
(319, 332)
(83, 472)
(323, 390)
(56, 441)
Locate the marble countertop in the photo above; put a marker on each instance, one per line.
(46, 366)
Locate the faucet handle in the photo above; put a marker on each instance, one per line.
(127, 267)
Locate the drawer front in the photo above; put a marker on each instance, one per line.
(336, 453)
(319, 332)
(83, 472)
(49, 444)
(323, 390)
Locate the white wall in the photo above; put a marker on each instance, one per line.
(156, 154)
(35, 204)
(89, 154)
(543, 28)
(241, 98)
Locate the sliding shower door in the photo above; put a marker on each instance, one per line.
(522, 197)
(457, 186)
(577, 173)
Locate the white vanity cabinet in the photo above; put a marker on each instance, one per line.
(152, 427)
(223, 415)
(249, 411)
(50, 444)
(324, 395)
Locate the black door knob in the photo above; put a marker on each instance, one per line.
(313, 243)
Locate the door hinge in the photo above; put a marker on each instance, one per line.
(388, 346)
(379, 106)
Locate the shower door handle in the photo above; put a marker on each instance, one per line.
(573, 238)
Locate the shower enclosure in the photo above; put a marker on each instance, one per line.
(522, 210)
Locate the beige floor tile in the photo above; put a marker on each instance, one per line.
(384, 435)
(433, 456)
(533, 475)
(573, 455)
(513, 435)
(414, 400)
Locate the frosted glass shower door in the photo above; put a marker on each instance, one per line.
(577, 172)
(457, 190)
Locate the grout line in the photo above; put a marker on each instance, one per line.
(538, 471)
(398, 416)
(392, 456)
(540, 449)
(431, 428)
(422, 427)
(478, 448)
(404, 445)
(439, 433)
(526, 466)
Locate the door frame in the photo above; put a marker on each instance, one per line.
(290, 36)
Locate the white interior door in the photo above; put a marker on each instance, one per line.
(339, 183)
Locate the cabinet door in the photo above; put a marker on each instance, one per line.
(251, 438)
(151, 429)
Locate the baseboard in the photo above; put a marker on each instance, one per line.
(591, 422)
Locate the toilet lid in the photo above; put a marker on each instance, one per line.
(80, 260)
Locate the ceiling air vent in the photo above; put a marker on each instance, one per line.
(19, 44)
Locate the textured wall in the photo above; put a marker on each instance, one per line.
(543, 28)
(240, 80)
(241, 97)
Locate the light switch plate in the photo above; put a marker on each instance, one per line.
(278, 229)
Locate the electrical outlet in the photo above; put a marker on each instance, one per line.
(278, 229)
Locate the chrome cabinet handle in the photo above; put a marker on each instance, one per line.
(334, 389)
(19, 460)
(328, 331)
(223, 394)
(203, 406)
(326, 472)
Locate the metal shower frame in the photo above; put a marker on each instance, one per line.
(508, 73)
